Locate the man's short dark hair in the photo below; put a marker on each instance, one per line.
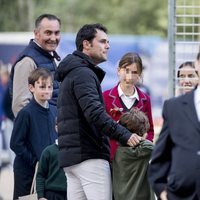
(88, 32)
(48, 16)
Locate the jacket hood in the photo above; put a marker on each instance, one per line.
(75, 60)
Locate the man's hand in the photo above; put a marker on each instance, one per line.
(134, 140)
(163, 195)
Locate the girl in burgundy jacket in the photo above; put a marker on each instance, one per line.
(126, 94)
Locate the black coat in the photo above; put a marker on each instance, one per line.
(175, 161)
(83, 124)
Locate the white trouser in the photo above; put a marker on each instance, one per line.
(89, 180)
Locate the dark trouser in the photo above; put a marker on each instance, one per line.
(22, 183)
(51, 195)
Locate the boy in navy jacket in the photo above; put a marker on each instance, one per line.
(33, 130)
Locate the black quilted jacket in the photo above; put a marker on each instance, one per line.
(83, 125)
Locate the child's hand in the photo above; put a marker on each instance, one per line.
(134, 140)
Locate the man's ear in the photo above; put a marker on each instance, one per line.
(86, 44)
(36, 33)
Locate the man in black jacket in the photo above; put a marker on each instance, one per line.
(84, 127)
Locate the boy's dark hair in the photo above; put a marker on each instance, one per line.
(88, 32)
(135, 121)
(48, 16)
(39, 73)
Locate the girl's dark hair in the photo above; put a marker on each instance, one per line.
(130, 58)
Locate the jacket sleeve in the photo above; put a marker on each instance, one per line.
(42, 173)
(19, 141)
(106, 101)
(21, 93)
(150, 134)
(161, 157)
(89, 99)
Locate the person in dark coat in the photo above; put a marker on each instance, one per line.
(33, 131)
(84, 127)
(174, 171)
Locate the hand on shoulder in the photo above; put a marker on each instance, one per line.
(134, 140)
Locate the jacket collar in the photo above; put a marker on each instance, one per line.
(114, 95)
(121, 93)
(86, 60)
(46, 53)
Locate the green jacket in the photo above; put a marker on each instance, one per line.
(130, 165)
(49, 175)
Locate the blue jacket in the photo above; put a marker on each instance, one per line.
(33, 131)
(41, 58)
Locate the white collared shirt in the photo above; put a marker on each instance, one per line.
(197, 101)
(128, 100)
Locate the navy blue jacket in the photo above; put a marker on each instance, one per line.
(33, 131)
(41, 58)
(175, 162)
(83, 124)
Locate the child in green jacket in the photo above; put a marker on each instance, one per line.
(51, 182)
(130, 163)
